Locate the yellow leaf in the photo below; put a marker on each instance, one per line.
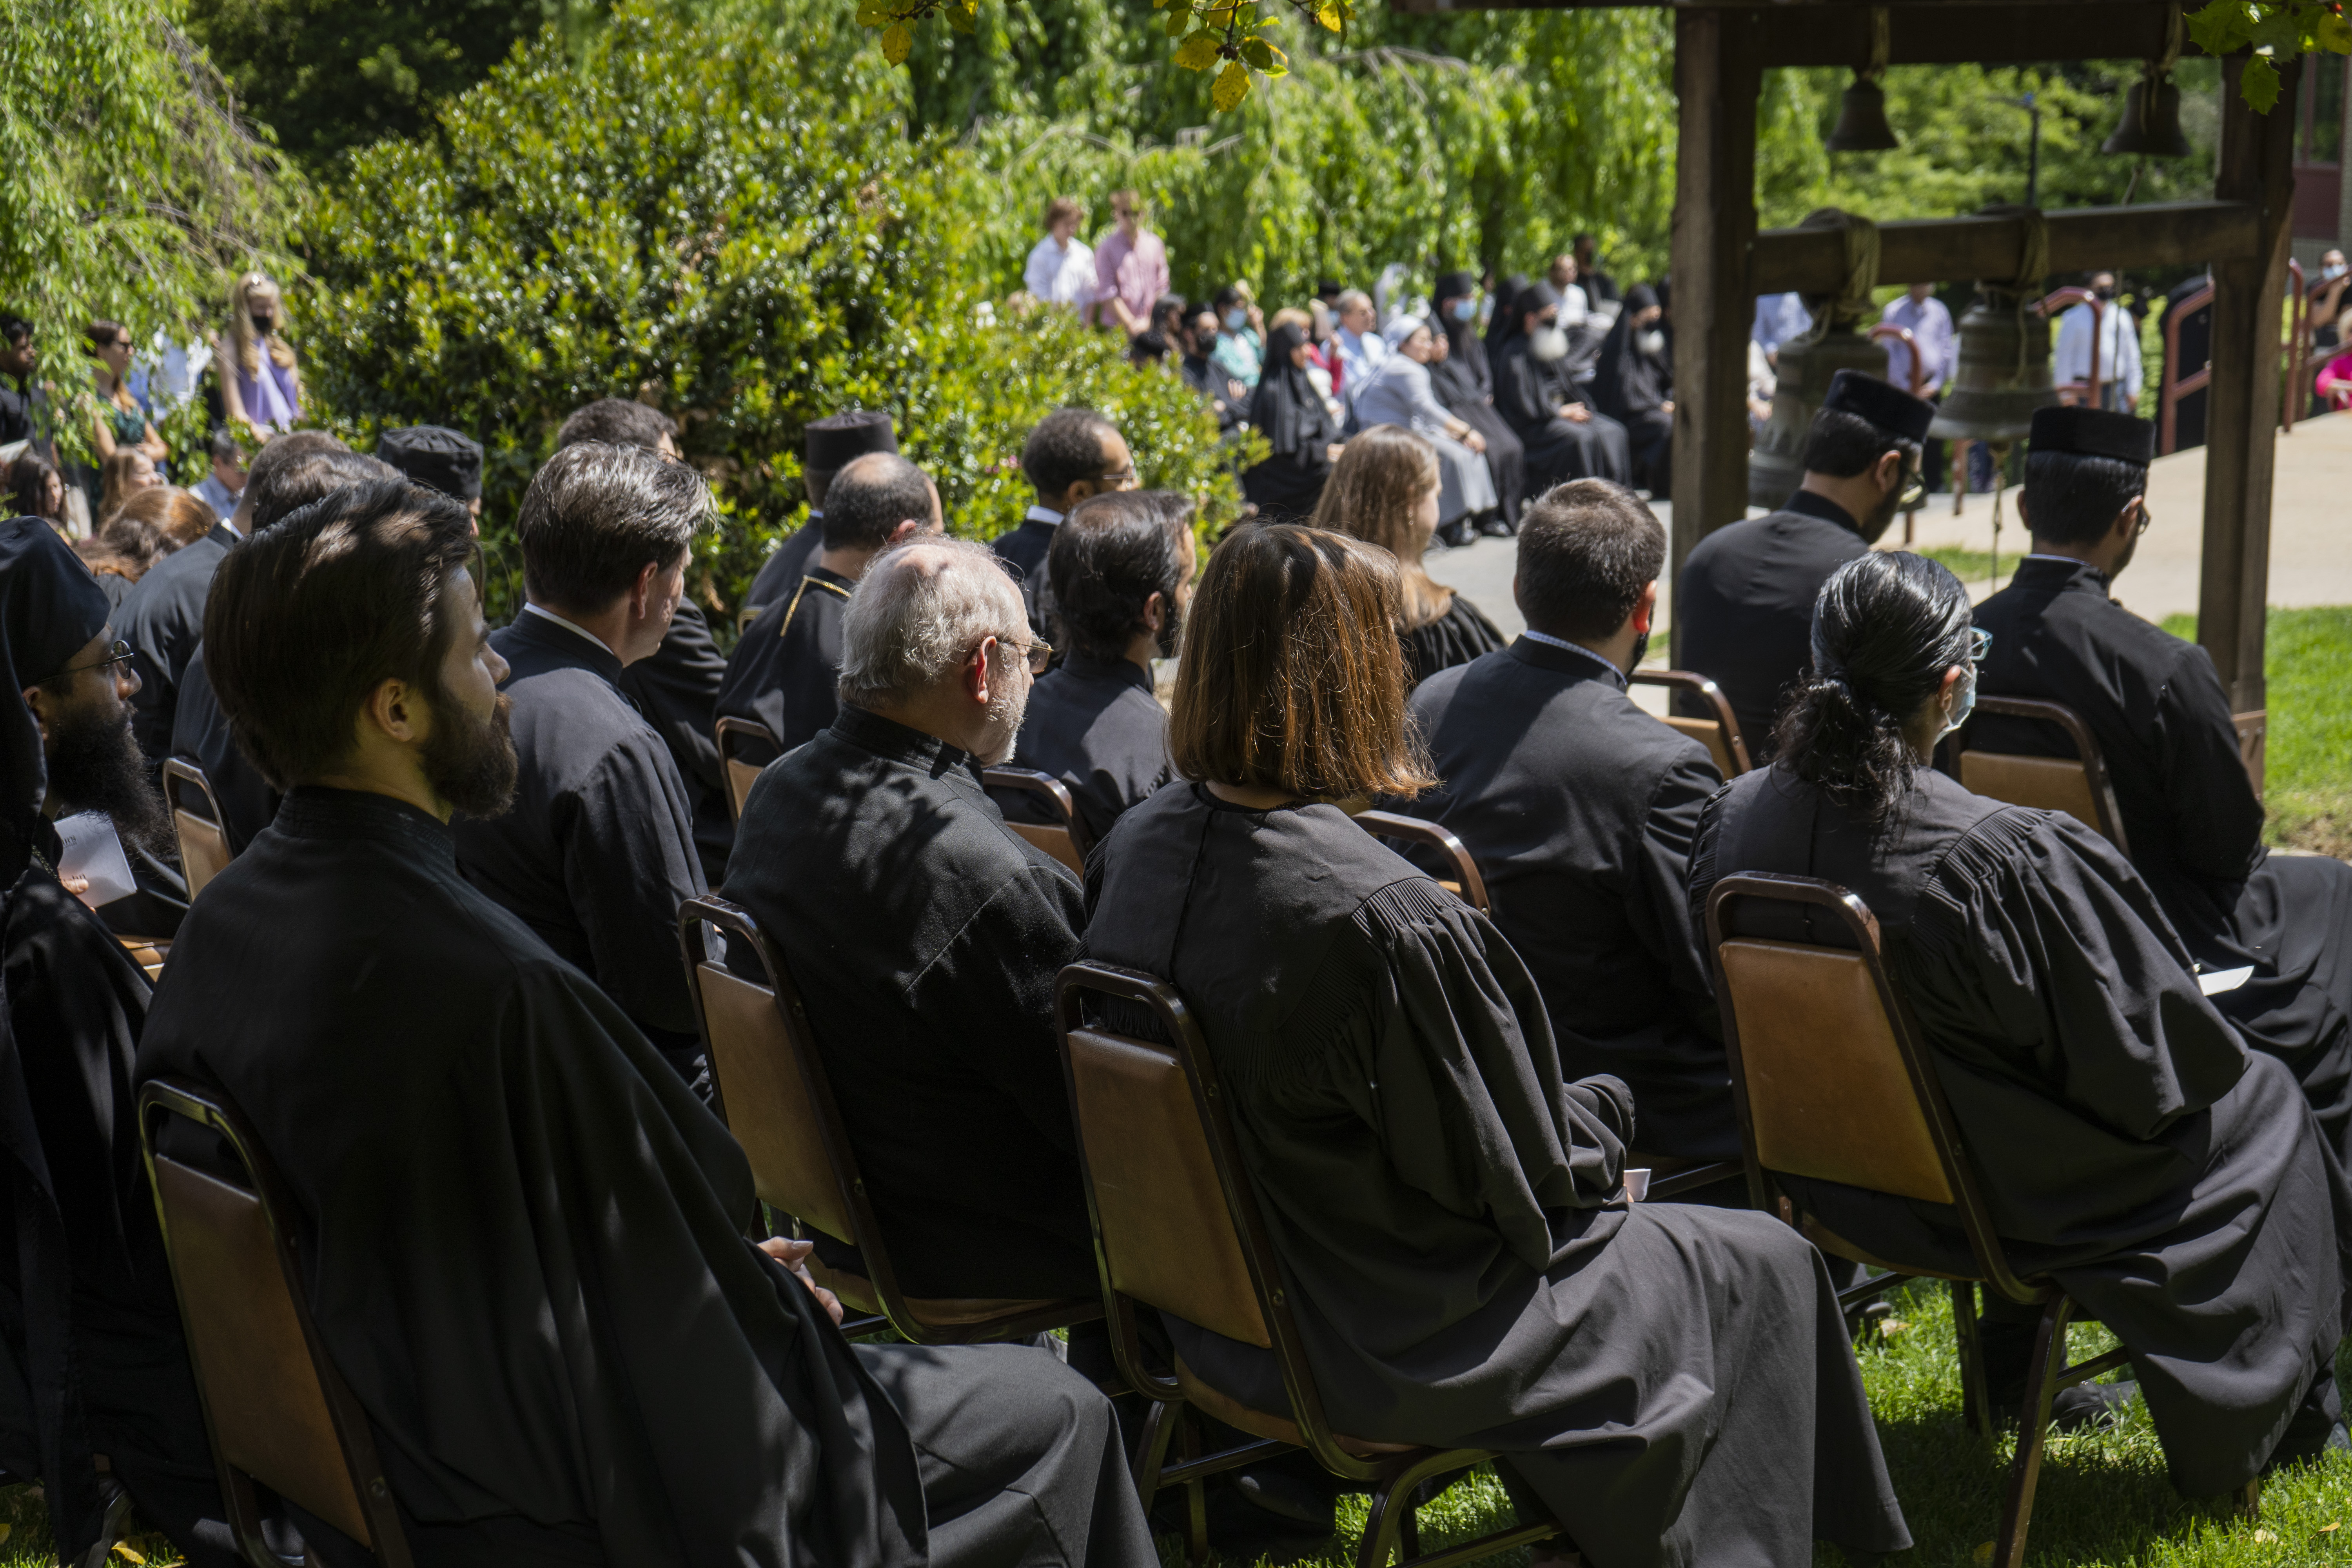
(1232, 85)
(124, 1547)
(2324, 1529)
(964, 18)
(1265, 56)
(897, 42)
(1326, 15)
(1983, 1553)
(2265, 1535)
(1199, 52)
(1179, 18)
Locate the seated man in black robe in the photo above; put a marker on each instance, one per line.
(1743, 602)
(1073, 453)
(834, 442)
(524, 1236)
(91, 1359)
(1579, 808)
(1121, 569)
(924, 934)
(2127, 1143)
(2190, 816)
(783, 670)
(597, 851)
(1563, 436)
(1672, 1383)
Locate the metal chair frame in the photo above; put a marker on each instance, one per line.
(731, 734)
(694, 914)
(1396, 1479)
(212, 1110)
(180, 777)
(2048, 1371)
(1057, 796)
(2086, 752)
(1468, 885)
(1697, 687)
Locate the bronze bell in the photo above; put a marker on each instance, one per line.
(1776, 464)
(2002, 372)
(1862, 124)
(2151, 121)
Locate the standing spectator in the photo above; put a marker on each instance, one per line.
(1299, 429)
(1130, 269)
(1226, 396)
(1780, 319)
(1930, 325)
(222, 489)
(1241, 334)
(1634, 384)
(35, 489)
(1061, 269)
(1361, 348)
(19, 361)
(261, 388)
(1399, 393)
(1598, 285)
(2118, 349)
(123, 476)
(1464, 383)
(119, 421)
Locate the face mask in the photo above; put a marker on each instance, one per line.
(1461, 309)
(1641, 651)
(1964, 700)
(1549, 344)
(2106, 292)
(1236, 319)
(261, 325)
(1653, 342)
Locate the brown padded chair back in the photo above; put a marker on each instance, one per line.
(1720, 733)
(733, 733)
(203, 847)
(1064, 841)
(276, 1408)
(2076, 785)
(1465, 883)
(2254, 744)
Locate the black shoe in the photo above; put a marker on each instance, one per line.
(1496, 528)
(1457, 533)
(2085, 1407)
(1288, 1498)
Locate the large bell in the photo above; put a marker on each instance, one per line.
(2151, 121)
(2002, 375)
(1776, 464)
(1862, 124)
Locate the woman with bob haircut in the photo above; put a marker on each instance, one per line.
(2129, 1146)
(1672, 1383)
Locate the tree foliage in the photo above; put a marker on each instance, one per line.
(2278, 29)
(684, 214)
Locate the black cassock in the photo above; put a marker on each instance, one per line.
(1468, 390)
(201, 734)
(782, 572)
(1094, 724)
(1674, 1384)
(525, 1247)
(597, 851)
(2129, 1145)
(676, 688)
(782, 671)
(1580, 809)
(1529, 395)
(2192, 820)
(1025, 549)
(1455, 637)
(163, 620)
(924, 936)
(1743, 604)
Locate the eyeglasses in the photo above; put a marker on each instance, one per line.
(1117, 478)
(1038, 654)
(1914, 490)
(1979, 644)
(2146, 517)
(118, 652)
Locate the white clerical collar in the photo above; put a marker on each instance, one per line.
(1550, 641)
(573, 626)
(1043, 514)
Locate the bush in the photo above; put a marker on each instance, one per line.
(680, 218)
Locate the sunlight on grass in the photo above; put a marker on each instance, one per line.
(2308, 785)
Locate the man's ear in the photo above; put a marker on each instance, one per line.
(2126, 524)
(396, 710)
(1890, 470)
(641, 592)
(977, 674)
(1645, 611)
(906, 530)
(1155, 611)
(37, 701)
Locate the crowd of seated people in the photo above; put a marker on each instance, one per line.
(441, 980)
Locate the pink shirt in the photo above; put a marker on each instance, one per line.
(1134, 270)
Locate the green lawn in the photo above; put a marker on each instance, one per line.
(2308, 782)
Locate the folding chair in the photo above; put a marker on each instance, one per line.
(1835, 1082)
(2076, 785)
(735, 737)
(1465, 883)
(2254, 744)
(1065, 839)
(1719, 734)
(279, 1412)
(769, 1085)
(203, 845)
(1177, 1227)
(149, 953)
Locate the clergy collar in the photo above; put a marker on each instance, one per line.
(1805, 503)
(551, 630)
(1117, 668)
(1044, 514)
(896, 742)
(826, 577)
(1547, 652)
(313, 811)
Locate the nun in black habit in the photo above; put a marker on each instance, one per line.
(1464, 383)
(1672, 1384)
(2130, 1147)
(525, 1239)
(1297, 425)
(1563, 436)
(1634, 384)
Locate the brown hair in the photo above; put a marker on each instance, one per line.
(1371, 495)
(114, 475)
(1292, 678)
(1062, 207)
(182, 517)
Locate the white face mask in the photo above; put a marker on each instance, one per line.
(1653, 342)
(1236, 319)
(1549, 344)
(1964, 700)
(1462, 309)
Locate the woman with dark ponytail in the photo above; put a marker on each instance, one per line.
(2129, 1146)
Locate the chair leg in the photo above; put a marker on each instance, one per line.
(1196, 1494)
(1409, 1528)
(1151, 1450)
(2246, 1503)
(1976, 1394)
(2032, 1430)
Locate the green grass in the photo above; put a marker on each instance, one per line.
(2307, 783)
(1974, 566)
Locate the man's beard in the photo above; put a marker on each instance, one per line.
(1170, 632)
(469, 761)
(1006, 709)
(1882, 516)
(95, 765)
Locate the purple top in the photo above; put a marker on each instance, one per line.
(271, 398)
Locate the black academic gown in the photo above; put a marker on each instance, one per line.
(1465, 385)
(201, 734)
(1674, 1383)
(1462, 634)
(1025, 549)
(782, 570)
(2193, 823)
(524, 1242)
(1529, 395)
(597, 851)
(1743, 604)
(783, 668)
(924, 936)
(2127, 1145)
(163, 620)
(1580, 808)
(1094, 724)
(676, 688)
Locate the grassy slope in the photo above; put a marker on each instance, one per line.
(2308, 779)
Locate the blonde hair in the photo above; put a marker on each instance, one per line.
(242, 342)
(1374, 489)
(1292, 316)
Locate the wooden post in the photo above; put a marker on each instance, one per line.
(1717, 79)
(2242, 399)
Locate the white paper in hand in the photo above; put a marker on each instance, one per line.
(2221, 980)
(92, 851)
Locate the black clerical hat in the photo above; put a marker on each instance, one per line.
(437, 458)
(838, 439)
(50, 607)
(2094, 433)
(1536, 295)
(1456, 286)
(1863, 394)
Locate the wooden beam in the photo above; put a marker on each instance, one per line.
(2241, 407)
(1945, 250)
(1716, 80)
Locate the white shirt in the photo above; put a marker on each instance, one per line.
(1061, 275)
(1361, 353)
(216, 495)
(2118, 348)
(571, 626)
(1044, 514)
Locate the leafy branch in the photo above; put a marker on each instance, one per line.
(2288, 29)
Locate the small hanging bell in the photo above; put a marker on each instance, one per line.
(1862, 124)
(2151, 123)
